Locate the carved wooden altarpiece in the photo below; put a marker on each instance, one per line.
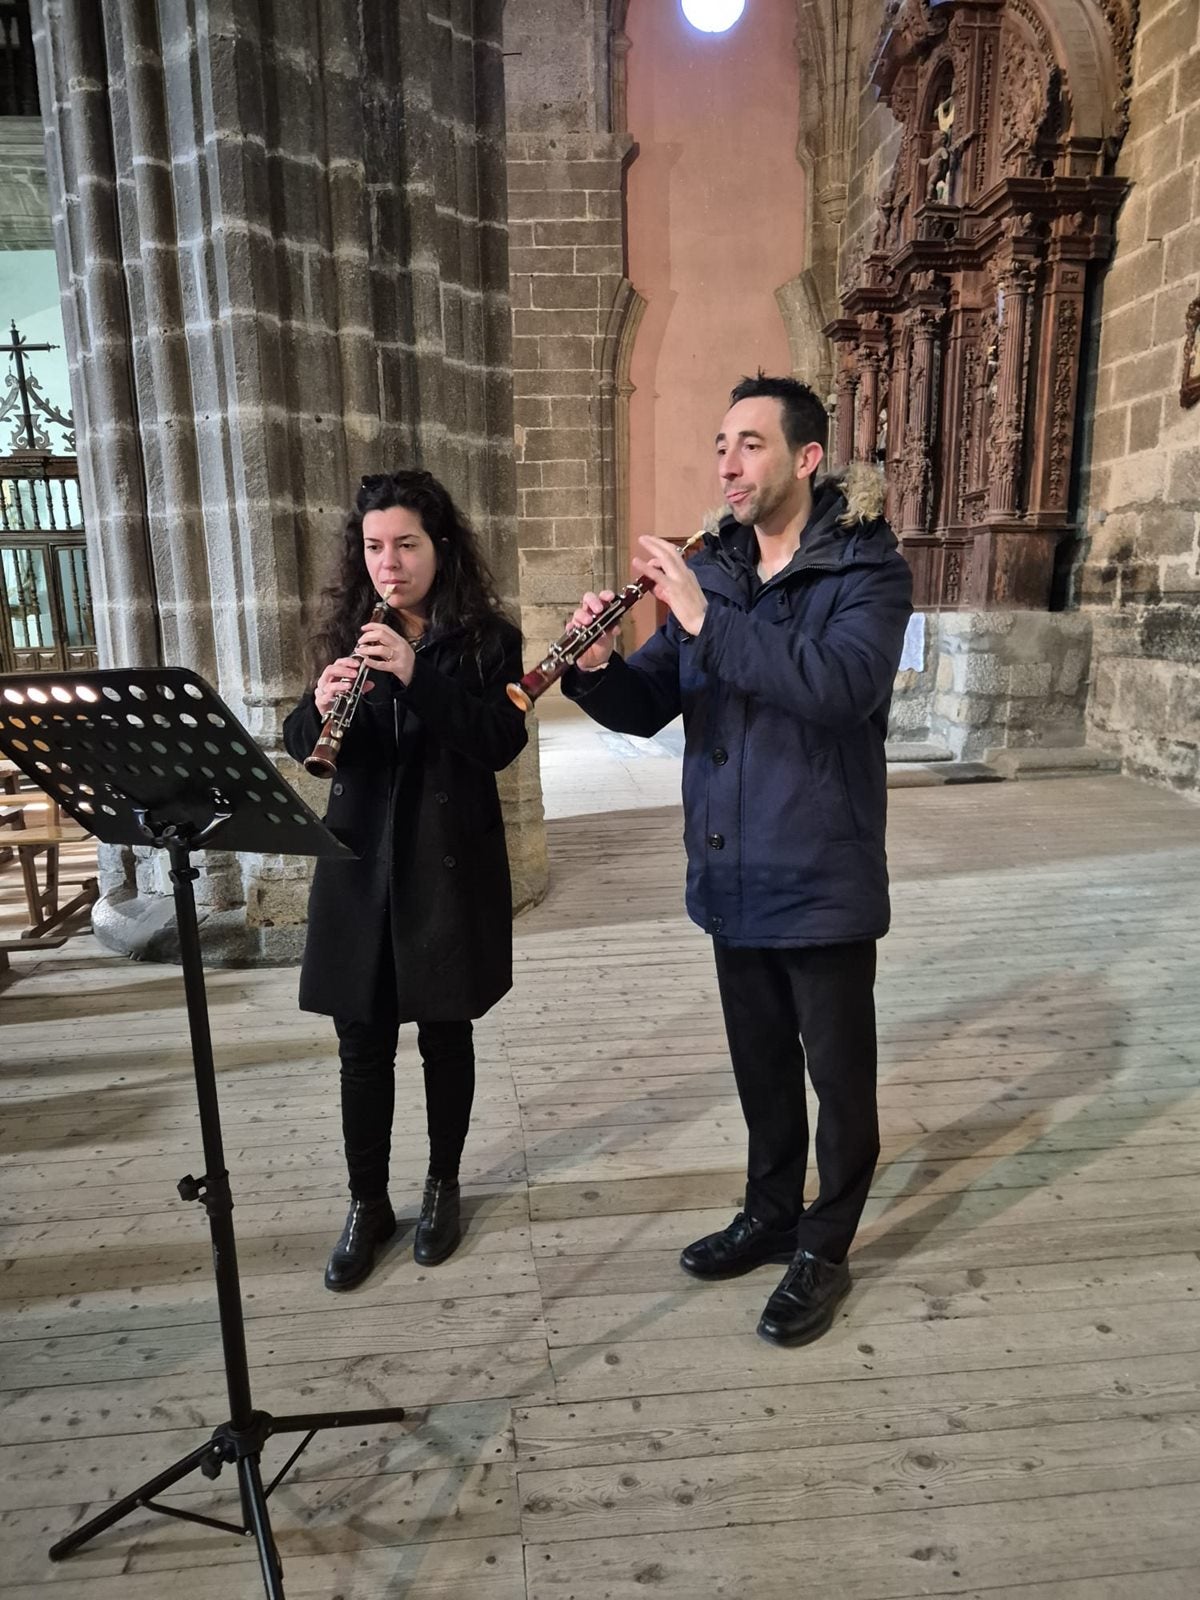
(959, 347)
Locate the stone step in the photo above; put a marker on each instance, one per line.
(1080, 761)
(928, 774)
(897, 750)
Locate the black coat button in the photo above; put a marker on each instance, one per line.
(716, 841)
(720, 757)
(449, 861)
(716, 924)
(337, 788)
(441, 797)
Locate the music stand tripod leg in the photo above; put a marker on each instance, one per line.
(257, 1520)
(133, 1502)
(241, 1439)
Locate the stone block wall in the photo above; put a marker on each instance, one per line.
(875, 150)
(1140, 580)
(566, 258)
(569, 300)
(996, 679)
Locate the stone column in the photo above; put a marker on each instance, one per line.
(282, 245)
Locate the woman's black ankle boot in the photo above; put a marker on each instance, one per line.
(369, 1223)
(440, 1225)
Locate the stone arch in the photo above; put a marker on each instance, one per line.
(1075, 35)
(830, 38)
(617, 53)
(805, 316)
(616, 354)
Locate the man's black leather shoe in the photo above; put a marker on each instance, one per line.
(368, 1224)
(745, 1244)
(439, 1228)
(802, 1307)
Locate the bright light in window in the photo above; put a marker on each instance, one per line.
(713, 16)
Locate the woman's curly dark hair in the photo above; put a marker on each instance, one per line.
(463, 597)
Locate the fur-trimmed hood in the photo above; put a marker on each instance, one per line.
(863, 488)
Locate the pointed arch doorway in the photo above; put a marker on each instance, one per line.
(716, 210)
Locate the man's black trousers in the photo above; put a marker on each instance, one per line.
(785, 1011)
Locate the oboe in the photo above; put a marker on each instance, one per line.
(323, 761)
(566, 651)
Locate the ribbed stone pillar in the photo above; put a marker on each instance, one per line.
(282, 243)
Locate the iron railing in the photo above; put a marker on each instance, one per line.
(45, 597)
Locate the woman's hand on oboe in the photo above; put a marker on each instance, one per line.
(589, 607)
(335, 680)
(386, 649)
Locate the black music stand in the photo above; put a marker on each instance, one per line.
(155, 757)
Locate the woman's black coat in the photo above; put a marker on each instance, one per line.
(415, 798)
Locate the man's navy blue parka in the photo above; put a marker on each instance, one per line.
(785, 694)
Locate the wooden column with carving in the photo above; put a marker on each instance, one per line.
(960, 360)
(1008, 420)
(872, 352)
(846, 390)
(1057, 365)
(924, 323)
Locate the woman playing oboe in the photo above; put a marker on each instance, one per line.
(419, 927)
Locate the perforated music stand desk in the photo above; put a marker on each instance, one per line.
(154, 757)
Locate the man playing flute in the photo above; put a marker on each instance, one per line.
(780, 649)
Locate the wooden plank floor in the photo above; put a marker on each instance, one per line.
(1008, 1405)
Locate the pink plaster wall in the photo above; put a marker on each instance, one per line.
(716, 210)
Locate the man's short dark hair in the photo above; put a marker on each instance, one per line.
(805, 420)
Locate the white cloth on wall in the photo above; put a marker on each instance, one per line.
(912, 656)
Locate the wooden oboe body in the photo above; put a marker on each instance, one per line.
(322, 763)
(566, 650)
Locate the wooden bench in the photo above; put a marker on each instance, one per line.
(15, 808)
(10, 777)
(19, 808)
(42, 901)
(6, 945)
